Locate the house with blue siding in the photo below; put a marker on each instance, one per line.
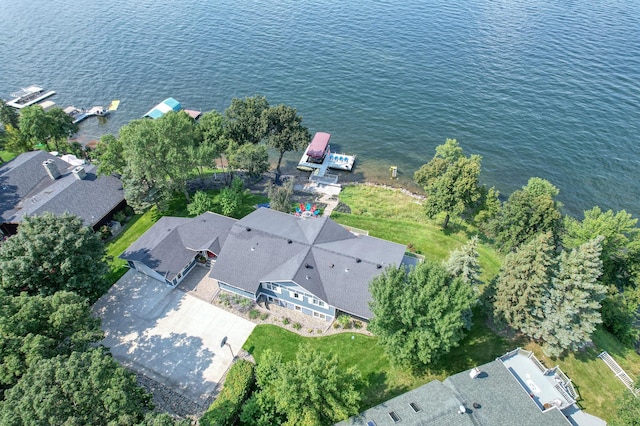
(172, 246)
(311, 265)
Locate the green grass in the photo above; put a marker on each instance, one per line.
(394, 216)
(7, 156)
(383, 381)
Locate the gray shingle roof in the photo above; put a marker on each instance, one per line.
(502, 402)
(28, 190)
(318, 254)
(172, 242)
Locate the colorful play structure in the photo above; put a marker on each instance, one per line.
(307, 210)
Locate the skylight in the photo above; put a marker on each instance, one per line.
(415, 407)
(395, 417)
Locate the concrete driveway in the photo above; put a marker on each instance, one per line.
(168, 335)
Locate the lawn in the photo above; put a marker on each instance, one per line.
(7, 156)
(384, 381)
(396, 217)
(139, 224)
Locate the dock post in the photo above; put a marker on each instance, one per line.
(394, 172)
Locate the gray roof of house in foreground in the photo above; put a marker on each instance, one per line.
(27, 189)
(170, 244)
(318, 254)
(501, 398)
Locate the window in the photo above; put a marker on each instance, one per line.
(273, 300)
(298, 308)
(317, 302)
(395, 417)
(415, 407)
(296, 295)
(273, 287)
(319, 315)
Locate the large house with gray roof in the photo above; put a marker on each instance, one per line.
(311, 265)
(37, 182)
(515, 389)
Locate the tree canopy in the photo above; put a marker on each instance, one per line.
(38, 126)
(41, 327)
(284, 130)
(8, 115)
(419, 316)
(450, 181)
(280, 196)
(310, 390)
(572, 304)
(52, 253)
(528, 212)
(83, 388)
(254, 159)
(109, 153)
(243, 120)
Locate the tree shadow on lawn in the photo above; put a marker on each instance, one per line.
(377, 389)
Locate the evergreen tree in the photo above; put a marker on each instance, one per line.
(523, 281)
(280, 197)
(572, 306)
(463, 263)
(419, 316)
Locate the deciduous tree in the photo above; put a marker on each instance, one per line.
(200, 203)
(110, 155)
(284, 130)
(84, 388)
(450, 181)
(572, 306)
(52, 253)
(243, 122)
(311, 390)
(254, 159)
(280, 196)
(34, 328)
(528, 212)
(524, 279)
(419, 316)
(8, 115)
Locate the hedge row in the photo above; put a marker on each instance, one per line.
(237, 387)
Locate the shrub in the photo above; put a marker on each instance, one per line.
(357, 324)
(244, 302)
(336, 324)
(285, 321)
(310, 331)
(264, 316)
(120, 217)
(129, 211)
(297, 326)
(342, 208)
(253, 314)
(237, 387)
(105, 232)
(344, 321)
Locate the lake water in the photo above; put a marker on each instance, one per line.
(538, 88)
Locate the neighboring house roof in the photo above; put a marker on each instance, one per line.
(170, 244)
(316, 253)
(502, 402)
(27, 189)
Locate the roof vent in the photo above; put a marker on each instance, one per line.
(462, 409)
(308, 277)
(475, 372)
(289, 241)
(79, 173)
(331, 266)
(346, 269)
(51, 168)
(253, 248)
(379, 266)
(476, 405)
(308, 266)
(248, 229)
(358, 260)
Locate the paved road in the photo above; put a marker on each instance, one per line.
(168, 335)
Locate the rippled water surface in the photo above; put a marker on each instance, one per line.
(538, 88)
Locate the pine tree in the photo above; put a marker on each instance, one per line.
(524, 279)
(572, 308)
(463, 262)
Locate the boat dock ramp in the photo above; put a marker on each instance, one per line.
(29, 96)
(79, 114)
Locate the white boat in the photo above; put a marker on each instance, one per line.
(318, 156)
(29, 96)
